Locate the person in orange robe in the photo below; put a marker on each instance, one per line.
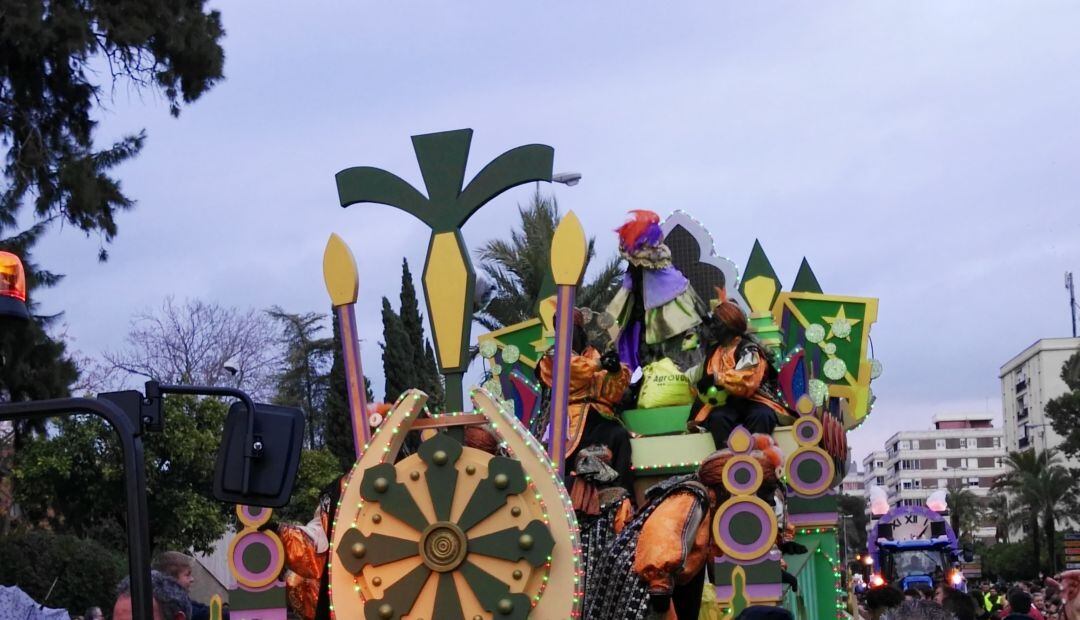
(738, 385)
(656, 567)
(597, 385)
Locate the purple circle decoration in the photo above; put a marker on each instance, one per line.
(253, 516)
(810, 459)
(808, 431)
(273, 568)
(742, 508)
(746, 468)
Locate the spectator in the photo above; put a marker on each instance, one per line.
(1019, 605)
(960, 604)
(94, 613)
(178, 566)
(881, 600)
(170, 599)
(918, 610)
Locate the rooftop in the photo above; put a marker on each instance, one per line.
(1043, 344)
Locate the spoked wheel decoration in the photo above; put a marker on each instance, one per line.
(450, 532)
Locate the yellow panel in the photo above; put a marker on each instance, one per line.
(339, 272)
(445, 280)
(759, 293)
(568, 251)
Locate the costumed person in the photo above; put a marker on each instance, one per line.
(656, 566)
(737, 384)
(598, 469)
(597, 384)
(656, 310)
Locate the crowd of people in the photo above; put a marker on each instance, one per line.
(1052, 599)
(171, 580)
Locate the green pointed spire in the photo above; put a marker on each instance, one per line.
(758, 292)
(760, 287)
(805, 280)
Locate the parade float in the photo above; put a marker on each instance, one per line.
(453, 531)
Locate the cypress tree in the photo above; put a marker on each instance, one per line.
(427, 372)
(399, 365)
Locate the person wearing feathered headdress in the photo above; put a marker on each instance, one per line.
(655, 307)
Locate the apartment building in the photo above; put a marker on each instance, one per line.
(1028, 382)
(964, 450)
(873, 470)
(853, 482)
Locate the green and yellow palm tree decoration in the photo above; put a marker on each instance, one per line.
(449, 279)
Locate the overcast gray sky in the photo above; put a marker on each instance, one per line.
(924, 153)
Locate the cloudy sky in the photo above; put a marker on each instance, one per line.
(924, 153)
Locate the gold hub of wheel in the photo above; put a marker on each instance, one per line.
(443, 546)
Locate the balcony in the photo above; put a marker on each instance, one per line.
(1024, 442)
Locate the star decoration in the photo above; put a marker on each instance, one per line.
(837, 330)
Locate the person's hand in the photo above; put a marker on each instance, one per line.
(1070, 594)
(610, 362)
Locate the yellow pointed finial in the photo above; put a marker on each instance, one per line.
(339, 272)
(568, 251)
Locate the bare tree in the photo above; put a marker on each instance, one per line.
(191, 342)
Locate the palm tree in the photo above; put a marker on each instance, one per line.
(520, 268)
(1045, 490)
(1004, 515)
(965, 511)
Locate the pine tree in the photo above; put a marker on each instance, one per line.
(33, 365)
(427, 372)
(51, 60)
(399, 366)
(304, 378)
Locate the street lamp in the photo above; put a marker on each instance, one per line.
(566, 178)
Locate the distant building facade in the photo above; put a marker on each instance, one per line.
(1028, 382)
(960, 450)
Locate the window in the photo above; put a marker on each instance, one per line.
(987, 442)
(972, 482)
(939, 444)
(904, 445)
(879, 464)
(1023, 443)
(952, 443)
(905, 484)
(880, 480)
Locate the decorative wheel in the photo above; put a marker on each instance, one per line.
(450, 532)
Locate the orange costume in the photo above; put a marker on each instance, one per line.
(591, 389)
(676, 538)
(306, 548)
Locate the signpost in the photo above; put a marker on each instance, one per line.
(1072, 551)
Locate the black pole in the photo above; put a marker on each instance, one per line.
(1072, 299)
(134, 482)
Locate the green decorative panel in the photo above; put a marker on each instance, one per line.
(658, 421)
(657, 455)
